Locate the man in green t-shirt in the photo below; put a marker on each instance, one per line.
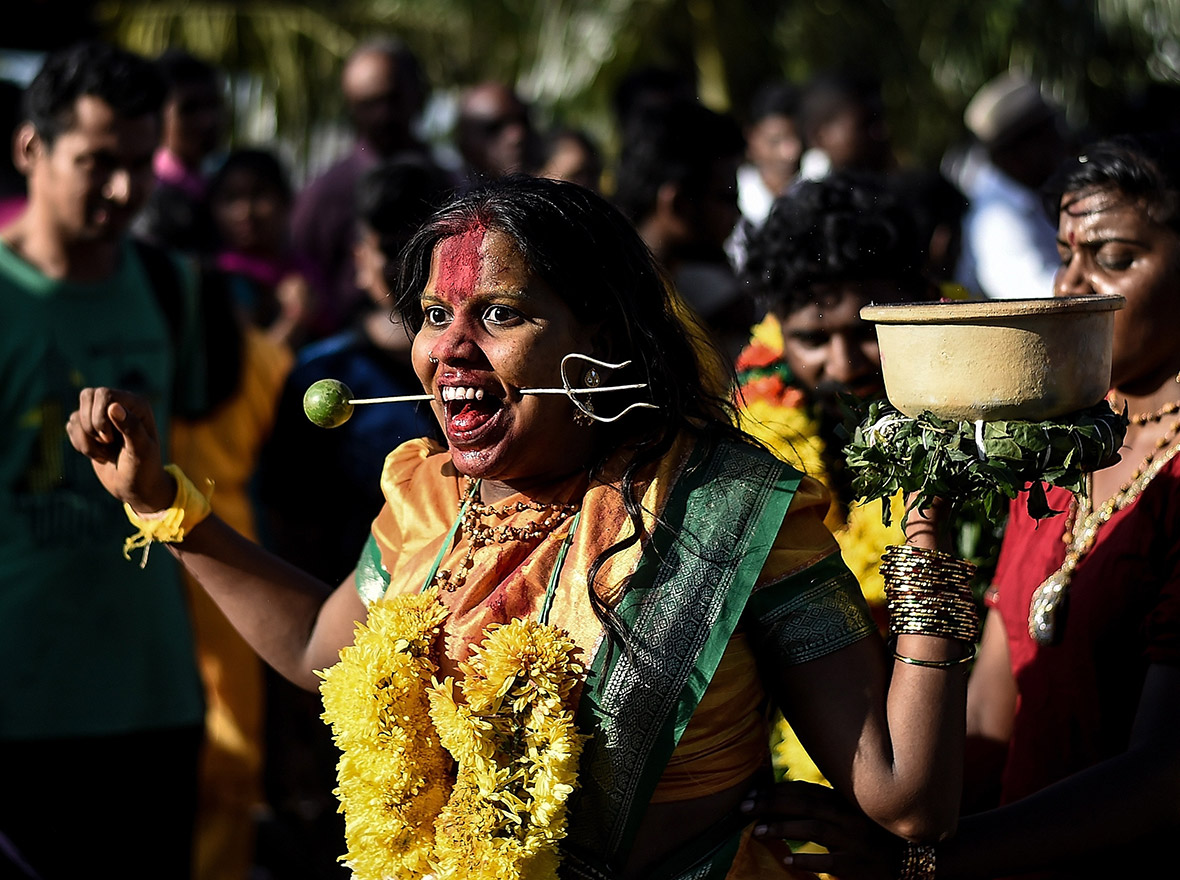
(101, 708)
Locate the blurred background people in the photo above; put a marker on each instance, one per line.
(676, 180)
(243, 369)
(321, 520)
(571, 154)
(1009, 247)
(274, 286)
(101, 711)
(494, 133)
(195, 126)
(774, 148)
(844, 125)
(649, 87)
(938, 208)
(385, 91)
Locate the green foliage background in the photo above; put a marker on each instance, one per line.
(566, 56)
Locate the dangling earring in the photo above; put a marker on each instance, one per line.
(581, 395)
(584, 417)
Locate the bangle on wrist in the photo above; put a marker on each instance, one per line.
(170, 525)
(967, 657)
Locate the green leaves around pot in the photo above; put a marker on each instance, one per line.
(987, 463)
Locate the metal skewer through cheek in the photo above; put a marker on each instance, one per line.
(567, 389)
(408, 398)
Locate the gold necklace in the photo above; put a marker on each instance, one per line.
(1081, 533)
(471, 516)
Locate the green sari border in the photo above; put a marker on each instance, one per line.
(681, 607)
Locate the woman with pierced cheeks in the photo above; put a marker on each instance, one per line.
(687, 570)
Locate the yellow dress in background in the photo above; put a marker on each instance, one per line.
(224, 447)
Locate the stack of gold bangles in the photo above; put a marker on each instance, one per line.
(928, 592)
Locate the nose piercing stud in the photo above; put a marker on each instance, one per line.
(430, 357)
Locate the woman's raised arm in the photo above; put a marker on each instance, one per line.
(295, 622)
(888, 733)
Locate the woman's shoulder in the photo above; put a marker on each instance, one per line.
(417, 461)
(421, 489)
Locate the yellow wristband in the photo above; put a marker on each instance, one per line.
(169, 526)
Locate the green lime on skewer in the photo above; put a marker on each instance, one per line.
(326, 403)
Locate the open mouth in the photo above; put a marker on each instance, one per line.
(469, 411)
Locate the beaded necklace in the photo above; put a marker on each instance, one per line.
(1081, 532)
(470, 523)
(1144, 418)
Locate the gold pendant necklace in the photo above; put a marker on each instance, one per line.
(1081, 532)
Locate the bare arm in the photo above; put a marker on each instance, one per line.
(888, 735)
(296, 623)
(991, 692)
(889, 741)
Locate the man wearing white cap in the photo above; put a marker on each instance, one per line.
(1009, 245)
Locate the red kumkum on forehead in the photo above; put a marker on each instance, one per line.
(459, 263)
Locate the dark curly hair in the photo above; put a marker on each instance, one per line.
(850, 226)
(130, 84)
(1144, 167)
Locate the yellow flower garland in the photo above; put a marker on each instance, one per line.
(434, 787)
(394, 775)
(517, 749)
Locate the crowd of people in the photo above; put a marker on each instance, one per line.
(725, 665)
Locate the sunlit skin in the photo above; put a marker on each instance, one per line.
(496, 328)
(87, 187)
(1111, 245)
